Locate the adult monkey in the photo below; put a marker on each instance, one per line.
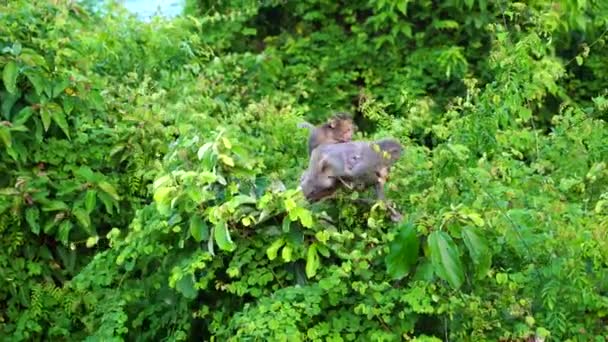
(355, 164)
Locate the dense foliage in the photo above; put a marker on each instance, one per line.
(149, 172)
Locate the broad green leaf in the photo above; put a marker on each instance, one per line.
(222, 237)
(83, 218)
(273, 250)
(5, 136)
(162, 195)
(185, 286)
(286, 224)
(64, 232)
(37, 81)
(90, 200)
(59, 117)
(45, 116)
(198, 228)
(23, 115)
(403, 252)
(312, 261)
(9, 76)
(445, 258)
(32, 216)
(109, 189)
(54, 206)
(478, 250)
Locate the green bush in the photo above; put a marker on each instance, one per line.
(152, 172)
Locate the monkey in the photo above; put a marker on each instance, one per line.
(354, 165)
(338, 129)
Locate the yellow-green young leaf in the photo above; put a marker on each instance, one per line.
(59, 117)
(90, 201)
(226, 160)
(5, 136)
(109, 189)
(478, 250)
(273, 250)
(289, 204)
(9, 76)
(305, 217)
(286, 253)
(226, 143)
(476, 219)
(92, 241)
(403, 252)
(222, 237)
(445, 258)
(32, 216)
(198, 228)
(83, 218)
(312, 261)
(579, 60)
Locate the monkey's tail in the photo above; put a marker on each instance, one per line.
(306, 125)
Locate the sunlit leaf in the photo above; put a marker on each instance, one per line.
(222, 237)
(312, 261)
(445, 258)
(198, 228)
(9, 76)
(273, 250)
(403, 252)
(478, 250)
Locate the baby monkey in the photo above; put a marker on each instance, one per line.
(338, 129)
(356, 164)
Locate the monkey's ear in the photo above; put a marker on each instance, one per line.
(332, 123)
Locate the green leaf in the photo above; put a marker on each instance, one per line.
(273, 250)
(198, 228)
(5, 136)
(222, 237)
(32, 216)
(9, 76)
(45, 116)
(23, 115)
(478, 250)
(403, 252)
(54, 206)
(445, 258)
(83, 218)
(185, 286)
(109, 189)
(90, 200)
(312, 261)
(64, 232)
(59, 117)
(37, 81)
(579, 60)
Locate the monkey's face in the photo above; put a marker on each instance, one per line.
(346, 130)
(317, 185)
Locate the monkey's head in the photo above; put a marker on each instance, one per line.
(318, 182)
(342, 126)
(392, 147)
